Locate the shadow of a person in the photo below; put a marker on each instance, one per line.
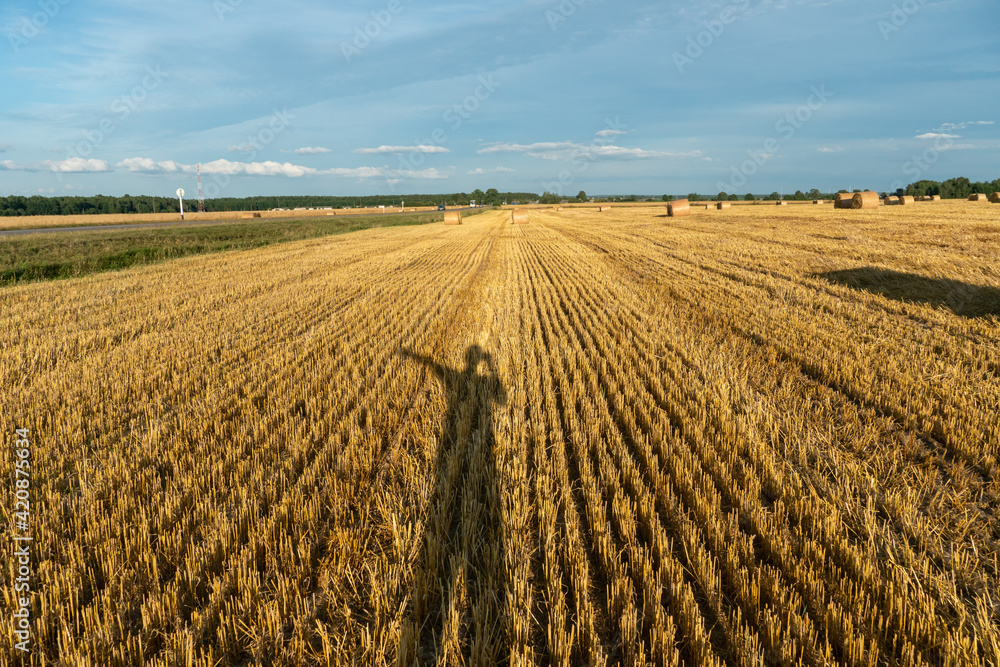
(459, 594)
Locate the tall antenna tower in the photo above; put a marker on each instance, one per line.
(201, 194)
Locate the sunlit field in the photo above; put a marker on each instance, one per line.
(764, 435)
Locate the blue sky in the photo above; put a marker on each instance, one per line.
(397, 96)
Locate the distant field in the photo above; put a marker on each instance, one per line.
(42, 221)
(759, 436)
(51, 256)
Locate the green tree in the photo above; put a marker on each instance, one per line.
(749, 197)
(722, 196)
(694, 196)
(582, 196)
(668, 197)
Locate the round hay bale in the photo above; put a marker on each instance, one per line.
(818, 201)
(781, 202)
(995, 198)
(935, 197)
(891, 201)
(452, 217)
(978, 198)
(520, 217)
(863, 200)
(843, 200)
(723, 205)
(604, 209)
(903, 201)
(679, 208)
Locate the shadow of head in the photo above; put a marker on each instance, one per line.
(474, 356)
(963, 299)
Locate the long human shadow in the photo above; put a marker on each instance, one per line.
(459, 588)
(963, 299)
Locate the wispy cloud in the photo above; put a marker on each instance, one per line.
(495, 170)
(5, 147)
(831, 149)
(567, 150)
(242, 148)
(608, 135)
(950, 127)
(938, 135)
(311, 150)
(401, 150)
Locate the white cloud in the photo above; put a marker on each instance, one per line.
(496, 170)
(242, 148)
(76, 165)
(567, 150)
(606, 134)
(8, 165)
(268, 168)
(401, 150)
(311, 150)
(936, 135)
(831, 149)
(148, 166)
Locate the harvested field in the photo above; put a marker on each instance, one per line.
(766, 437)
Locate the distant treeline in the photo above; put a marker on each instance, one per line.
(953, 188)
(99, 204)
